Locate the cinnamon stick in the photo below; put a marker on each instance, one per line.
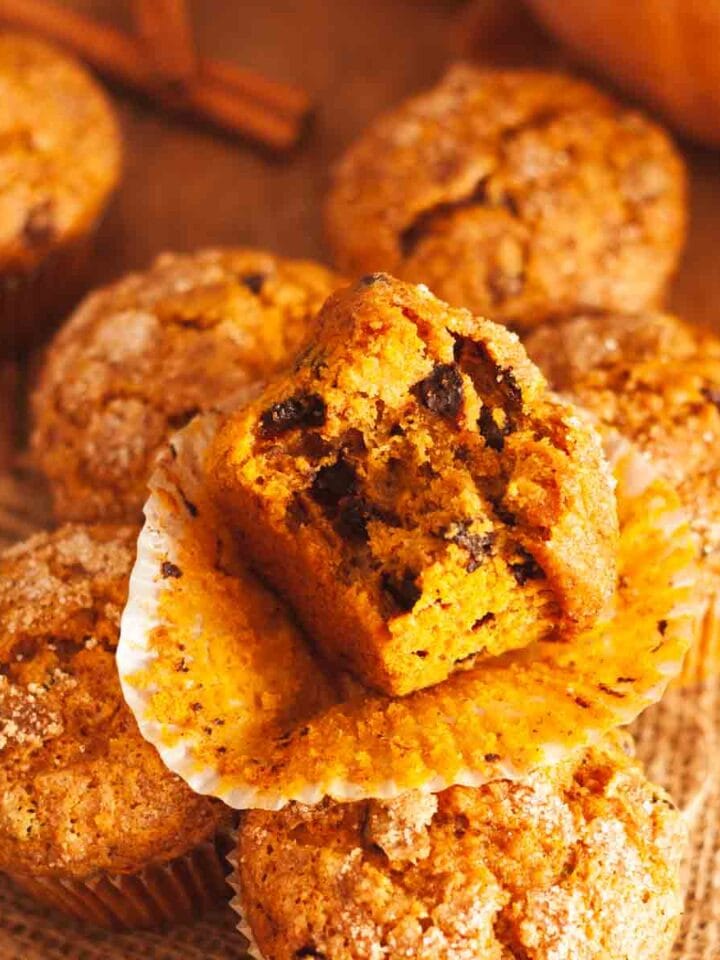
(277, 122)
(164, 26)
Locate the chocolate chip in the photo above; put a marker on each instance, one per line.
(478, 545)
(404, 590)
(662, 626)
(612, 693)
(442, 391)
(297, 513)
(493, 435)
(356, 512)
(353, 518)
(253, 281)
(712, 394)
(483, 621)
(314, 447)
(169, 570)
(353, 442)
(582, 702)
(396, 430)
(39, 227)
(333, 482)
(422, 654)
(301, 410)
(527, 569)
(492, 757)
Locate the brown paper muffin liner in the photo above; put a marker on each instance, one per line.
(32, 302)
(179, 891)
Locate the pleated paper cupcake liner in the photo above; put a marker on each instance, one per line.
(224, 685)
(178, 891)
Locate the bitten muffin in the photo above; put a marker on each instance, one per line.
(91, 822)
(60, 160)
(518, 194)
(657, 381)
(416, 493)
(141, 357)
(578, 862)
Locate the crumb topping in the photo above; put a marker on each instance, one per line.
(80, 790)
(142, 357)
(520, 194)
(577, 862)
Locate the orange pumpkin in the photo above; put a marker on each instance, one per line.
(664, 51)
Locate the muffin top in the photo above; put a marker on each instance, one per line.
(59, 149)
(578, 862)
(568, 350)
(140, 358)
(518, 194)
(657, 381)
(81, 790)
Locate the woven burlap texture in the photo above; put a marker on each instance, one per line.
(677, 740)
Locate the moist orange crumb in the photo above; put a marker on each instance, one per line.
(140, 358)
(579, 861)
(416, 493)
(518, 194)
(82, 792)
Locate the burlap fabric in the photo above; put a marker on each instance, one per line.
(678, 741)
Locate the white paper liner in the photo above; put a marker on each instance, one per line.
(499, 720)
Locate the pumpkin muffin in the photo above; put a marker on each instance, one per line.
(416, 493)
(60, 161)
(580, 861)
(518, 194)
(91, 822)
(141, 357)
(657, 381)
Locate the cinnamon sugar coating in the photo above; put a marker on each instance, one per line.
(657, 381)
(81, 792)
(578, 862)
(141, 357)
(518, 194)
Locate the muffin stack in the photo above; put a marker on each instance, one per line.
(393, 597)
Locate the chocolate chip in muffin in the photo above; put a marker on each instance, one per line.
(301, 410)
(253, 281)
(333, 482)
(527, 569)
(442, 391)
(493, 434)
(403, 589)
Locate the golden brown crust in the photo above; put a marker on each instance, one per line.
(141, 357)
(82, 792)
(657, 381)
(579, 862)
(433, 501)
(518, 194)
(60, 151)
(567, 350)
